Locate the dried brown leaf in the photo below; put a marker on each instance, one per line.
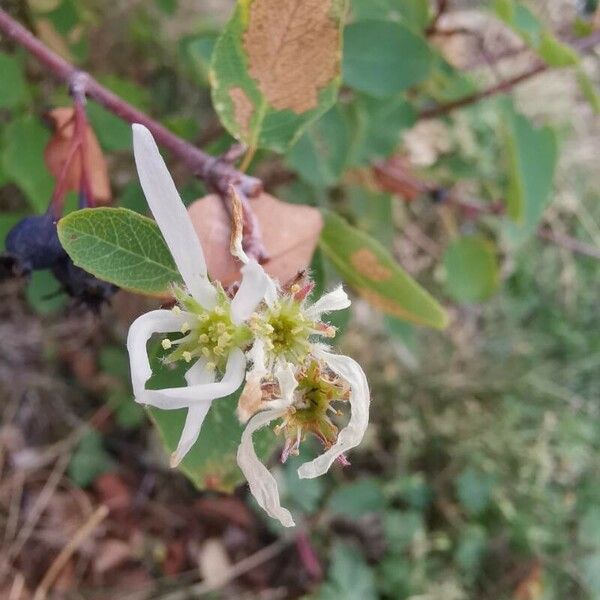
(58, 149)
(290, 234)
(292, 48)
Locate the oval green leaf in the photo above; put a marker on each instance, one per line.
(368, 267)
(119, 246)
(383, 58)
(471, 266)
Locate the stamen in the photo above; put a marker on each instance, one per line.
(166, 344)
(187, 356)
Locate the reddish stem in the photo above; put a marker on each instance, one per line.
(582, 45)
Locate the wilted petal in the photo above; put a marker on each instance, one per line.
(196, 414)
(287, 383)
(256, 355)
(353, 433)
(334, 300)
(141, 330)
(251, 292)
(171, 216)
(182, 397)
(262, 484)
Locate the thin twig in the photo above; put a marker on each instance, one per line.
(65, 554)
(215, 173)
(569, 243)
(582, 45)
(243, 566)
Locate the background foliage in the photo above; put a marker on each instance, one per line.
(479, 477)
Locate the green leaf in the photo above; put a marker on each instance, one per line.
(169, 7)
(44, 294)
(474, 490)
(532, 156)
(589, 91)
(301, 494)
(590, 571)
(113, 133)
(349, 577)
(414, 13)
(367, 266)
(589, 528)
(89, 460)
(12, 83)
(403, 527)
(23, 160)
(377, 126)
(320, 154)
(555, 53)
(275, 70)
(119, 246)
(549, 48)
(197, 52)
(471, 549)
(357, 499)
(383, 58)
(211, 462)
(7, 222)
(472, 272)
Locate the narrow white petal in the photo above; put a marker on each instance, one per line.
(262, 484)
(335, 300)
(182, 397)
(251, 293)
(256, 355)
(352, 434)
(287, 383)
(141, 330)
(196, 375)
(171, 216)
(191, 430)
(272, 293)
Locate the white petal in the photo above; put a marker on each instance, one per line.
(352, 434)
(287, 383)
(262, 484)
(256, 355)
(335, 300)
(191, 430)
(196, 414)
(141, 330)
(181, 397)
(251, 293)
(171, 216)
(272, 293)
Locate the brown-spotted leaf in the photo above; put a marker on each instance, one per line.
(276, 67)
(368, 267)
(290, 234)
(292, 49)
(59, 147)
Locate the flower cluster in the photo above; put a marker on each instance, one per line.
(265, 337)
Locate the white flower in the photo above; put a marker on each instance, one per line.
(310, 379)
(213, 326)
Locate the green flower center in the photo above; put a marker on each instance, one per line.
(209, 334)
(286, 330)
(314, 396)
